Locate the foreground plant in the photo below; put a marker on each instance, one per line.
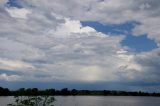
(33, 101)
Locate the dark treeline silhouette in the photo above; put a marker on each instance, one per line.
(66, 92)
(4, 92)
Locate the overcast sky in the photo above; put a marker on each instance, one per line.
(83, 44)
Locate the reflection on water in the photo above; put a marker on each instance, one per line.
(97, 101)
(6, 100)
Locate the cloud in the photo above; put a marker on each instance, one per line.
(151, 63)
(14, 65)
(69, 28)
(107, 12)
(12, 49)
(45, 41)
(18, 12)
(62, 49)
(6, 77)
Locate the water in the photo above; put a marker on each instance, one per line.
(97, 101)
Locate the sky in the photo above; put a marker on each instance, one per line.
(82, 44)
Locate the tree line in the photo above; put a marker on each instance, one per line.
(66, 92)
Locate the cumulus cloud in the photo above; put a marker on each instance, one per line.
(17, 12)
(46, 41)
(145, 12)
(70, 27)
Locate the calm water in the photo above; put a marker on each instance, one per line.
(98, 101)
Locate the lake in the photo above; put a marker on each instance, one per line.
(97, 101)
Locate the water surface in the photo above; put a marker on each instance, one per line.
(97, 101)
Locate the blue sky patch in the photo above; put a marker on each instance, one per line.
(13, 3)
(137, 43)
(111, 29)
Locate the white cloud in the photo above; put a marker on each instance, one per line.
(68, 49)
(6, 77)
(14, 65)
(46, 38)
(107, 12)
(69, 28)
(12, 49)
(18, 12)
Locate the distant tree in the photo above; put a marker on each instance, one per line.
(65, 91)
(21, 91)
(87, 92)
(1, 91)
(4, 91)
(58, 92)
(34, 91)
(50, 91)
(74, 92)
(106, 92)
(28, 91)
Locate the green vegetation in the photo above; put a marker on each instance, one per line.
(33, 101)
(66, 92)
